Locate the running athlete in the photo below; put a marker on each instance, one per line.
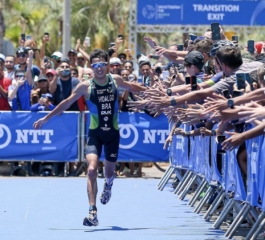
(101, 96)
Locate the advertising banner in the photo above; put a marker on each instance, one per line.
(194, 12)
(56, 140)
(142, 137)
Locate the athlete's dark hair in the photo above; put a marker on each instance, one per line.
(99, 53)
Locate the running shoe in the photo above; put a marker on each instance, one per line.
(92, 219)
(106, 194)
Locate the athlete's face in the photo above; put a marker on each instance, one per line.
(99, 72)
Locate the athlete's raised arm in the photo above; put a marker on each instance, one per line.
(81, 89)
(131, 86)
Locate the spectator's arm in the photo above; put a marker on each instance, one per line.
(80, 73)
(3, 92)
(35, 107)
(37, 57)
(53, 83)
(12, 92)
(86, 56)
(45, 40)
(29, 74)
(37, 53)
(256, 95)
(50, 107)
(79, 49)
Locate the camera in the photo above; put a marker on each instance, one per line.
(158, 70)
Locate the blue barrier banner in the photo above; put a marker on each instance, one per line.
(261, 176)
(142, 137)
(180, 149)
(254, 154)
(181, 12)
(56, 140)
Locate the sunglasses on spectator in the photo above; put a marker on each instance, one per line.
(42, 80)
(99, 65)
(74, 73)
(114, 65)
(82, 59)
(49, 75)
(21, 55)
(20, 76)
(56, 58)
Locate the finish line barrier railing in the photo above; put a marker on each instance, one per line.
(219, 177)
(63, 138)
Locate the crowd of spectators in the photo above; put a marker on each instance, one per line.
(186, 82)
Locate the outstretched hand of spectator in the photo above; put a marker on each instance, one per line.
(219, 102)
(45, 39)
(21, 42)
(235, 140)
(118, 41)
(150, 41)
(254, 112)
(138, 105)
(78, 44)
(168, 141)
(205, 132)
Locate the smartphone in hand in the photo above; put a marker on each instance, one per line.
(221, 138)
(249, 80)
(165, 75)
(87, 41)
(23, 36)
(120, 36)
(192, 37)
(193, 83)
(251, 47)
(235, 38)
(240, 81)
(112, 44)
(180, 47)
(216, 35)
(237, 94)
(226, 94)
(154, 56)
(187, 80)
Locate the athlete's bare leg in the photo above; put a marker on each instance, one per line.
(109, 171)
(92, 187)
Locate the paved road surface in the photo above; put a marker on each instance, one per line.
(54, 208)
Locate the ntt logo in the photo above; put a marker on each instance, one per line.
(4, 130)
(126, 132)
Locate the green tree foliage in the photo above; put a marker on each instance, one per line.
(101, 20)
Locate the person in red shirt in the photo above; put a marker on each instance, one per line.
(4, 84)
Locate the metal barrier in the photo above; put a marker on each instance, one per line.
(226, 187)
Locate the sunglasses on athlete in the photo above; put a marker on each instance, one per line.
(99, 65)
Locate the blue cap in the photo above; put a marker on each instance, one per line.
(49, 95)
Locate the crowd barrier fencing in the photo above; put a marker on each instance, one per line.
(64, 137)
(198, 156)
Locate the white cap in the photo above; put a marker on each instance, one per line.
(143, 58)
(115, 60)
(2, 57)
(57, 54)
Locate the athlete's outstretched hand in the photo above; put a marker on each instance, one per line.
(38, 124)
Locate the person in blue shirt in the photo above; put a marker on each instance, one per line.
(22, 55)
(20, 90)
(45, 103)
